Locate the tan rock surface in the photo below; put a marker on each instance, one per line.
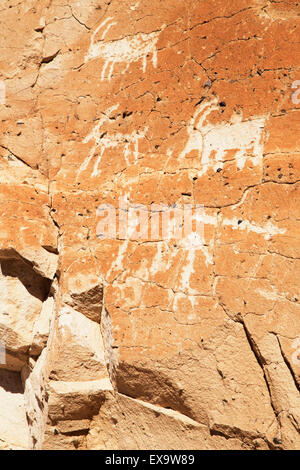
(138, 340)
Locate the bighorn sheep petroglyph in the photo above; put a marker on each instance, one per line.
(212, 141)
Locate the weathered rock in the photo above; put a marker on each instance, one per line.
(14, 428)
(76, 400)
(42, 327)
(125, 423)
(80, 353)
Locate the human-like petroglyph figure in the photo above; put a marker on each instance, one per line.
(126, 50)
(213, 141)
(128, 143)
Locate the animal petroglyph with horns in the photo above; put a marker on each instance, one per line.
(126, 50)
(213, 141)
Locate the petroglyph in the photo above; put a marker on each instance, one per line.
(212, 142)
(128, 142)
(126, 50)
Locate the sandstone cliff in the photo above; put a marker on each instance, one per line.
(139, 340)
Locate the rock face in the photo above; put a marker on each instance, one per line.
(123, 124)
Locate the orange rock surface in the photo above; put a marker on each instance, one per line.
(149, 342)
